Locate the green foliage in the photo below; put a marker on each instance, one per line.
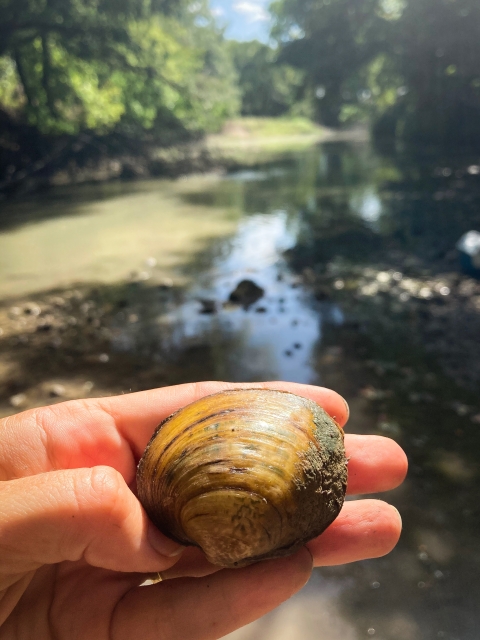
(124, 65)
(267, 88)
(410, 66)
(331, 41)
(11, 95)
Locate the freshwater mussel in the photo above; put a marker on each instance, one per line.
(245, 475)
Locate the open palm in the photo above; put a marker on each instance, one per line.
(75, 543)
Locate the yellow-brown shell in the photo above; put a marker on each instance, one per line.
(245, 475)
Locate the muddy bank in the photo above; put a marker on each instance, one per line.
(74, 343)
(404, 303)
(32, 162)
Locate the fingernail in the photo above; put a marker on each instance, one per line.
(310, 564)
(310, 553)
(347, 409)
(163, 545)
(398, 515)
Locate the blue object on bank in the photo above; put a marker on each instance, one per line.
(469, 251)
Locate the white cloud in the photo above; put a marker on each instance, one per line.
(252, 10)
(217, 12)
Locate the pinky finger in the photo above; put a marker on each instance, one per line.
(364, 529)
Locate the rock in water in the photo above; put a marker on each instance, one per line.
(246, 293)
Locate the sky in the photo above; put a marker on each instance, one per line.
(244, 19)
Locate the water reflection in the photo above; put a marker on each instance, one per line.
(273, 337)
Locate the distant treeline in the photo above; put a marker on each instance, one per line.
(409, 67)
(160, 71)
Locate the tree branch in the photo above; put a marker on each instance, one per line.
(23, 77)
(47, 75)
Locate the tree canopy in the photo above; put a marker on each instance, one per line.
(413, 66)
(71, 65)
(267, 88)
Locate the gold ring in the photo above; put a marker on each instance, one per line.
(152, 578)
(157, 577)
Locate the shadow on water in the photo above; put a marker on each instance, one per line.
(361, 292)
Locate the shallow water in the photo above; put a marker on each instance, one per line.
(142, 274)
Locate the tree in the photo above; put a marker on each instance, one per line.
(412, 66)
(103, 64)
(267, 88)
(332, 41)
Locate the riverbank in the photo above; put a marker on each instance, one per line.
(92, 159)
(407, 338)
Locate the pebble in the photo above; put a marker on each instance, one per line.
(32, 309)
(44, 326)
(371, 393)
(383, 277)
(207, 306)
(460, 408)
(57, 391)
(391, 428)
(18, 400)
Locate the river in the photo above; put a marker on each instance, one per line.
(123, 286)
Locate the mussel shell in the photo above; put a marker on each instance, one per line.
(245, 475)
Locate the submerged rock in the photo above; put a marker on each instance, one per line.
(18, 400)
(246, 293)
(208, 306)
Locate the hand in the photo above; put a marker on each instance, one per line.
(75, 543)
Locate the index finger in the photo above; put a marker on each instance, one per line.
(138, 414)
(114, 431)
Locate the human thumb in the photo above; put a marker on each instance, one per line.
(76, 514)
